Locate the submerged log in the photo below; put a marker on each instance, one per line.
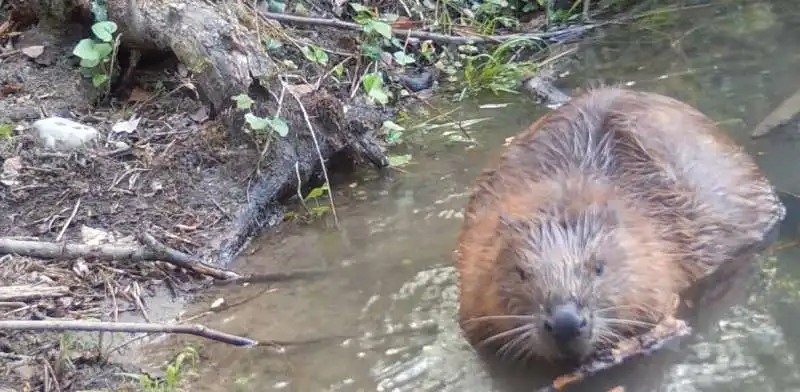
(219, 45)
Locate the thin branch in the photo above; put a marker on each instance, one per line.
(153, 251)
(424, 35)
(99, 326)
(69, 220)
(319, 152)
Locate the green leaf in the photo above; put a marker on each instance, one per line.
(315, 193)
(320, 56)
(380, 27)
(103, 50)
(403, 58)
(360, 8)
(6, 131)
(243, 102)
(338, 70)
(104, 30)
(277, 6)
(89, 63)
(279, 125)
(373, 85)
(85, 50)
(272, 44)
(372, 52)
(98, 79)
(315, 54)
(256, 123)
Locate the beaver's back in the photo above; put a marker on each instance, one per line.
(654, 153)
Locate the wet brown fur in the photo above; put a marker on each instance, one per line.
(685, 199)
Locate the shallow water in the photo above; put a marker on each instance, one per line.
(384, 320)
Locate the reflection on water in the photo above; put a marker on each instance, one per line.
(385, 319)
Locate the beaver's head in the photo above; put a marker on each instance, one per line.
(575, 280)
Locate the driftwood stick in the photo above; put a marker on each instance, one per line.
(98, 326)
(424, 35)
(153, 251)
(183, 260)
(274, 277)
(31, 292)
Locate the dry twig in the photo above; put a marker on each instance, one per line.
(153, 251)
(440, 38)
(98, 326)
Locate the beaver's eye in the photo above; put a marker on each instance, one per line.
(522, 274)
(599, 268)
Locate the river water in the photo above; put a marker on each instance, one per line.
(385, 318)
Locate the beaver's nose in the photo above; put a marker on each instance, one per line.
(565, 322)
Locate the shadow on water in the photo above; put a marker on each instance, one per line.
(385, 319)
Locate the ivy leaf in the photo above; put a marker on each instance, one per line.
(243, 102)
(360, 8)
(279, 125)
(256, 123)
(89, 63)
(103, 50)
(403, 58)
(99, 79)
(104, 30)
(380, 27)
(85, 50)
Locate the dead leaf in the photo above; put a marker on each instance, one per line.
(128, 126)
(403, 22)
(138, 95)
(300, 89)
(4, 27)
(200, 115)
(33, 51)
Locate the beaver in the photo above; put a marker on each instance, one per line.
(589, 225)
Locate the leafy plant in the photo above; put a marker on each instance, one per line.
(175, 372)
(373, 86)
(496, 71)
(260, 124)
(97, 55)
(314, 196)
(315, 54)
(6, 131)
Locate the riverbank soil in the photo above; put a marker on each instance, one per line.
(212, 117)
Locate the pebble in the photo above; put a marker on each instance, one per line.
(63, 134)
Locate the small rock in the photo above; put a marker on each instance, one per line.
(33, 51)
(63, 134)
(10, 173)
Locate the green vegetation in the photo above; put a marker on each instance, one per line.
(97, 54)
(175, 372)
